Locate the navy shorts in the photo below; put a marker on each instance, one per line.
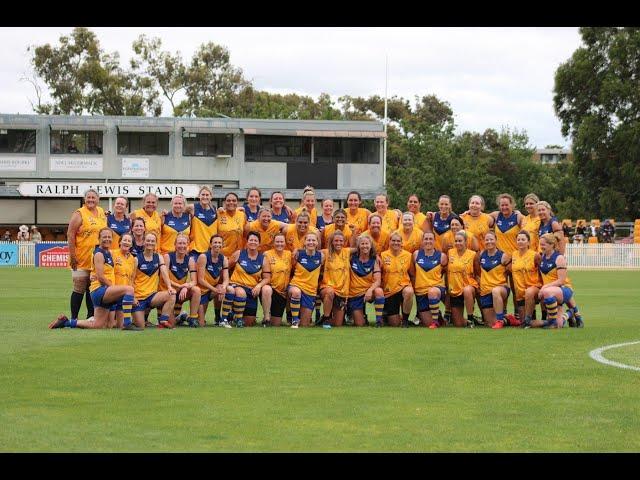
(567, 293)
(144, 303)
(96, 298)
(423, 300)
(355, 303)
(486, 301)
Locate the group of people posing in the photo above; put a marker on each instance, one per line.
(333, 261)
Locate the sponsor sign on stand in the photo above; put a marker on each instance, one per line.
(131, 190)
(52, 255)
(8, 254)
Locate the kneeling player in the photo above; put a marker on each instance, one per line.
(182, 267)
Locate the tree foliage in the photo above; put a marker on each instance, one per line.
(597, 99)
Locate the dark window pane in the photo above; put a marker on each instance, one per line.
(18, 141)
(206, 144)
(143, 143)
(76, 141)
(268, 148)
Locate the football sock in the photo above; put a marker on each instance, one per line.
(378, 304)
(500, 317)
(551, 305)
(434, 308)
(90, 311)
(217, 314)
(238, 307)
(163, 318)
(127, 304)
(76, 303)
(225, 309)
(295, 311)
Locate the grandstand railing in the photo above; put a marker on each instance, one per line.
(601, 256)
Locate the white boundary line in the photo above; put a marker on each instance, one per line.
(597, 356)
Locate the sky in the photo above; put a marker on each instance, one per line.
(491, 77)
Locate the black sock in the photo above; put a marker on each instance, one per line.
(76, 303)
(217, 312)
(470, 318)
(89, 303)
(405, 317)
(544, 314)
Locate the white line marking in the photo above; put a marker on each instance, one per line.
(597, 356)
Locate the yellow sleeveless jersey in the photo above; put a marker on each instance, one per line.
(124, 267)
(295, 241)
(524, 271)
(395, 271)
(428, 272)
(492, 272)
(313, 215)
(329, 229)
(203, 227)
(382, 243)
(280, 270)
(412, 241)
(231, 228)
(307, 272)
(478, 226)
(266, 235)
(358, 219)
(147, 277)
(336, 271)
(212, 270)
(152, 223)
(109, 272)
(87, 236)
(448, 238)
(532, 225)
(178, 271)
(171, 227)
(418, 219)
(549, 270)
(248, 271)
(506, 232)
(389, 221)
(361, 275)
(460, 271)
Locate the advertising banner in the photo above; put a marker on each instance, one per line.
(8, 254)
(52, 255)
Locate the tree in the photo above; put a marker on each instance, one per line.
(597, 99)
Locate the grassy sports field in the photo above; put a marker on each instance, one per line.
(348, 389)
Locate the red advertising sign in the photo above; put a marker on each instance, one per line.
(54, 257)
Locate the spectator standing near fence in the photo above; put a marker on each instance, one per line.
(7, 236)
(35, 234)
(23, 233)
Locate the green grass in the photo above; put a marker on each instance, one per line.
(347, 389)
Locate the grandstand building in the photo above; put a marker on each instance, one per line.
(48, 161)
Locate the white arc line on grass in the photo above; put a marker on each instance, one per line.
(597, 356)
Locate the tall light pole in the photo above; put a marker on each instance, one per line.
(384, 155)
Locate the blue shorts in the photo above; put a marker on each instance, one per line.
(252, 302)
(306, 301)
(567, 293)
(355, 303)
(423, 300)
(116, 307)
(206, 298)
(144, 304)
(96, 298)
(486, 301)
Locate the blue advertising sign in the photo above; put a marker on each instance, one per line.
(8, 254)
(52, 254)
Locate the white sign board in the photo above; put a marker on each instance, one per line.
(60, 163)
(135, 167)
(18, 164)
(106, 190)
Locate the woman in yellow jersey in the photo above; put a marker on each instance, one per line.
(396, 267)
(146, 282)
(203, 222)
(326, 218)
(410, 234)
(557, 289)
(252, 271)
(334, 286)
(475, 221)
(295, 234)
(390, 218)
(303, 287)
(356, 216)
(149, 211)
(413, 206)
(253, 204)
(184, 280)
(492, 264)
(173, 223)
(138, 231)
(549, 223)
(118, 221)
(104, 291)
(274, 295)
(429, 287)
(440, 222)
(364, 282)
(82, 235)
(124, 268)
(379, 236)
(462, 281)
(308, 204)
(455, 226)
(213, 278)
(281, 212)
(339, 225)
(230, 225)
(526, 277)
(531, 221)
(266, 227)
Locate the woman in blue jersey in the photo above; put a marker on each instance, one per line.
(326, 218)
(184, 279)
(203, 218)
(252, 271)
(429, 285)
(440, 221)
(491, 263)
(303, 288)
(138, 230)
(104, 291)
(213, 278)
(281, 212)
(365, 282)
(557, 289)
(549, 223)
(118, 221)
(252, 205)
(173, 223)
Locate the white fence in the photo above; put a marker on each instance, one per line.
(602, 256)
